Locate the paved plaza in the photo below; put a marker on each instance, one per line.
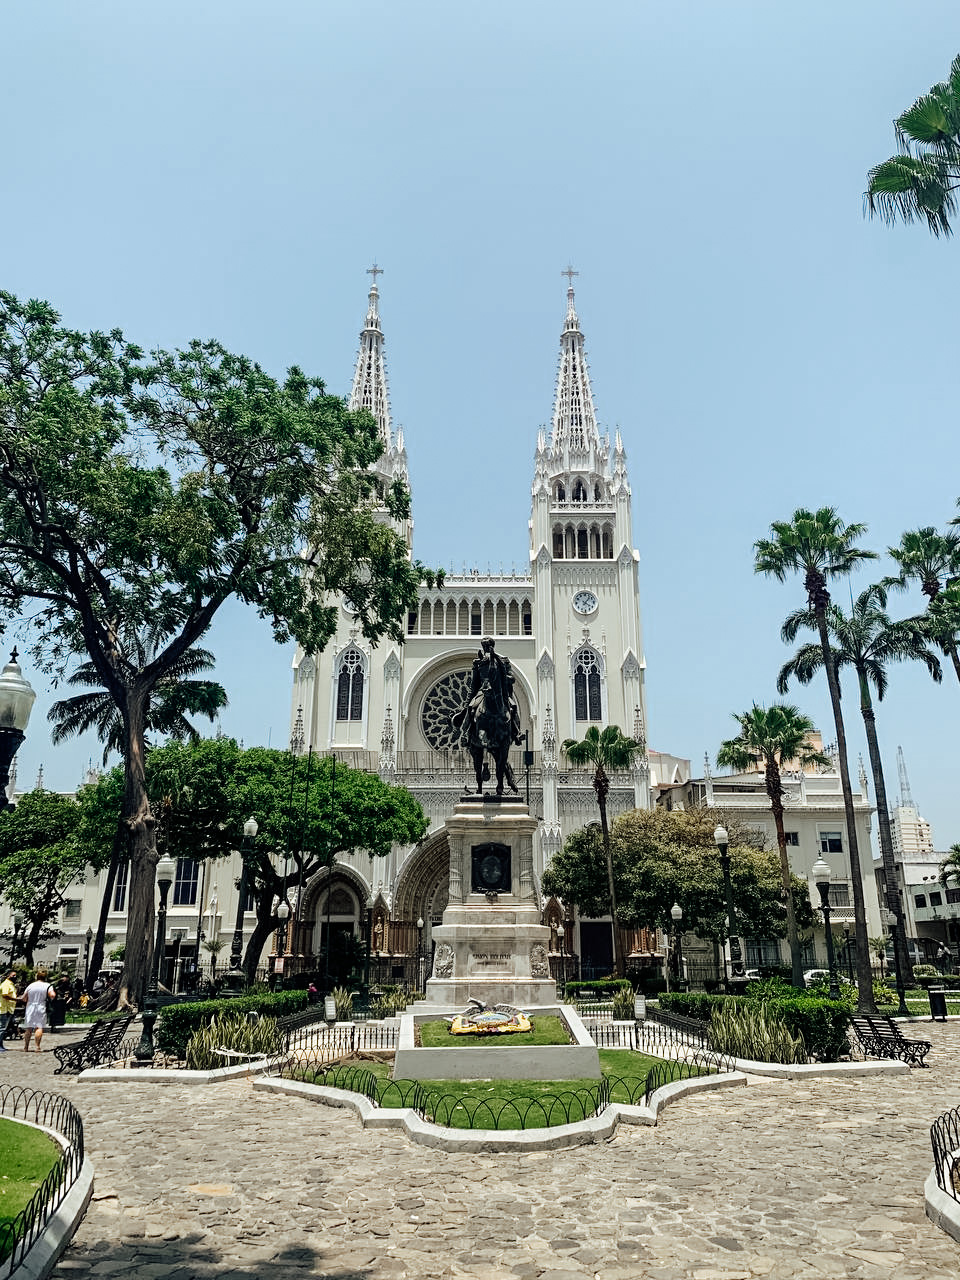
(822, 1178)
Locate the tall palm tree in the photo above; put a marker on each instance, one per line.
(175, 697)
(772, 737)
(820, 546)
(921, 180)
(950, 866)
(609, 751)
(867, 641)
(932, 558)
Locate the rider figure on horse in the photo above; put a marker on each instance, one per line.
(489, 666)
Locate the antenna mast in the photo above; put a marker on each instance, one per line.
(906, 799)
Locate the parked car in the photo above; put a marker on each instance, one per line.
(823, 975)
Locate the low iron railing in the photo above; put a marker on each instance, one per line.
(53, 1112)
(461, 1111)
(945, 1140)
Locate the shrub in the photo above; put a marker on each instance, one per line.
(821, 1023)
(179, 1021)
(750, 1029)
(604, 987)
(231, 1031)
(343, 1002)
(927, 976)
(623, 1006)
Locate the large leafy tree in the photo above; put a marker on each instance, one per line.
(175, 697)
(310, 810)
(606, 751)
(660, 858)
(772, 737)
(920, 181)
(818, 545)
(39, 860)
(932, 559)
(867, 641)
(140, 494)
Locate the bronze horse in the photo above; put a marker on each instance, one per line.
(487, 728)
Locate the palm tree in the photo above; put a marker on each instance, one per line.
(932, 558)
(608, 752)
(175, 697)
(950, 866)
(867, 641)
(820, 546)
(772, 737)
(920, 181)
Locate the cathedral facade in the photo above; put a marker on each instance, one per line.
(570, 626)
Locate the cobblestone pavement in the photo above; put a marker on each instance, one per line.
(823, 1178)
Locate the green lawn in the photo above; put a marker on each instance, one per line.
(546, 1030)
(504, 1104)
(26, 1157)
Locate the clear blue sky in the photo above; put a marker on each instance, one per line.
(230, 169)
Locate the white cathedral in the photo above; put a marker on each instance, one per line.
(570, 627)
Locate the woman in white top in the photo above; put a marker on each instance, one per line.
(35, 1017)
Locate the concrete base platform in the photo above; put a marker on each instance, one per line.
(577, 1061)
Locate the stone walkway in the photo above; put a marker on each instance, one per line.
(818, 1179)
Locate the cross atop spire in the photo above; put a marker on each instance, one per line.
(370, 376)
(574, 418)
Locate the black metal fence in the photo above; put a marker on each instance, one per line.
(945, 1140)
(57, 1113)
(458, 1110)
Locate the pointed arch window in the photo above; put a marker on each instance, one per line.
(350, 685)
(587, 701)
(579, 491)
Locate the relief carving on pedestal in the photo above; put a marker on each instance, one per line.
(539, 964)
(443, 961)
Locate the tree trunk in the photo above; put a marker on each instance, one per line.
(865, 1001)
(775, 792)
(602, 786)
(138, 818)
(251, 957)
(117, 854)
(886, 839)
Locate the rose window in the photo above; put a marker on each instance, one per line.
(443, 701)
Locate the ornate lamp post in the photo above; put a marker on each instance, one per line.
(250, 829)
(676, 915)
(738, 977)
(16, 702)
(166, 870)
(283, 915)
(88, 936)
(847, 952)
(821, 878)
(420, 953)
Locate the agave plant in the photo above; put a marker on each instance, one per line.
(755, 1031)
(233, 1032)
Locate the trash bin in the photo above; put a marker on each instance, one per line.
(938, 1003)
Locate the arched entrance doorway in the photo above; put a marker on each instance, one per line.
(332, 925)
(422, 893)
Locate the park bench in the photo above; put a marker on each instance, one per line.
(100, 1044)
(880, 1037)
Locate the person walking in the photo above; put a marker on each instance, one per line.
(60, 1004)
(8, 1004)
(35, 1017)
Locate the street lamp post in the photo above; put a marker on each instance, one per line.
(738, 977)
(143, 1054)
(847, 951)
(420, 953)
(283, 915)
(86, 956)
(676, 914)
(16, 702)
(250, 828)
(821, 878)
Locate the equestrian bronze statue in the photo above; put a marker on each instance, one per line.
(490, 719)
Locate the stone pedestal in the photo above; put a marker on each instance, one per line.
(491, 945)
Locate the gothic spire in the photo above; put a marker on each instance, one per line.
(574, 419)
(370, 377)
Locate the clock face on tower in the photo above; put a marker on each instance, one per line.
(585, 602)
